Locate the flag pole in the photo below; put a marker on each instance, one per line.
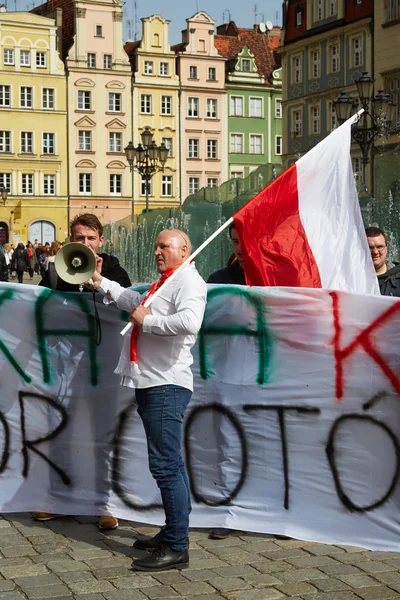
(182, 266)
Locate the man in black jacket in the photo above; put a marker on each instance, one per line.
(388, 273)
(3, 267)
(86, 229)
(234, 273)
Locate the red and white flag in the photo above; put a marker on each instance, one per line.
(305, 228)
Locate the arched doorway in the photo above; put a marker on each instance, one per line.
(42, 231)
(3, 233)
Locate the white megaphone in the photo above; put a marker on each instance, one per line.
(75, 263)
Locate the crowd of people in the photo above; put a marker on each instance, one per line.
(32, 258)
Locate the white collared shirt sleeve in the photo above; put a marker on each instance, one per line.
(125, 298)
(190, 302)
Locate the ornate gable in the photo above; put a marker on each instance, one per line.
(85, 122)
(84, 82)
(115, 124)
(243, 67)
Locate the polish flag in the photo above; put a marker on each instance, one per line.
(305, 228)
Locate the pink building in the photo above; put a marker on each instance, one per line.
(203, 132)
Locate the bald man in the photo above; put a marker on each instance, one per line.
(156, 362)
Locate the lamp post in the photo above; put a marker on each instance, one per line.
(146, 159)
(4, 195)
(379, 113)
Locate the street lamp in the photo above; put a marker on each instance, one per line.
(379, 113)
(146, 159)
(4, 195)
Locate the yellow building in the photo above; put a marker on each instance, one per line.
(33, 130)
(156, 106)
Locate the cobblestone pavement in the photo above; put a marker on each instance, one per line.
(69, 558)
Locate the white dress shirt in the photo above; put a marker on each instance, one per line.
(168, 333)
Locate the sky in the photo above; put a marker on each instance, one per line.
(245, 14)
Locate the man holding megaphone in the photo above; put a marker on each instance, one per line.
(73, 266)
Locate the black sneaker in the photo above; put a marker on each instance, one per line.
(220, 534)
(162, 559)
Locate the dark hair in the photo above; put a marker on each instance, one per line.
(231, 226)
(375, 232)
(88, 220)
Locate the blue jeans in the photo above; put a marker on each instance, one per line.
(161, 409)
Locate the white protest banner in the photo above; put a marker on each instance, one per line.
(293, 428)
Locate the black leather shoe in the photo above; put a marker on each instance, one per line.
(219, 534)
(150, 543)
(162, 559)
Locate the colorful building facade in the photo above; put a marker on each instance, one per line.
(33, 130)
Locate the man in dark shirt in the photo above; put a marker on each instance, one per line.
(86, 229)
(388, 272)
(234, 273)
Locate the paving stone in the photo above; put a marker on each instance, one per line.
(300, 575)
(201, 574)
(391, 577)
(312, 561)
(272, 566)
(287, 553)
(50, 557)
(13, 596)
(207, 597)
(358, 581)
(89, 597)
(243, 558)
(171, 577)
(376, 593)
(192, 588)
(9, 562)
(60, 566)
(6, 586)
(227, 584)
(266, 594)
(90, 587)
(240, 571)
(261, 580)
(160, 591)
(15, 551)
(73, 576)
(374, 566)
(22, 571)
(340, 569)
(325, 549)
(112, 561)
(329, 585)
(111, 572)
(295, 589)
(39, 580)
(51, 591)
(89, 554)
(135, 581)
(332, 596)
(207, 564)
(125, 595)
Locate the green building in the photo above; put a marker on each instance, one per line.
(254, 92)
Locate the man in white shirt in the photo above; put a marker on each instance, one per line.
(156, 361)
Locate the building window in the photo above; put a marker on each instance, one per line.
(193, 148)
(278, 145)
(332, 119)
(212, 74)
(114, 102)
(255, 107)
(48, 146)
(48, 98)
(167, 141)
(166, 105)
(27, 183)
(148, 67)
(5, 181)
(202, 45)
(164, 69)
(5, 95)
(357, 52)
(255, 144)
(392, 10)
(107, 61)
(315, 120)
(115, 141)
(85, 183)
(83, 100)
(192, 72)
(297, 120)
(41, 61)
(299, 19)
(26, 142)
(316, 64)
(146, 184)
(8, 57)
(145, 104)
(236, 175)
(278, 108)
(236, 143)
(332, 8)
(99, 30)
(212, 149)
(5, 141)
(246, 65)
(212, 182)
(25, 99)
(193, 107)
(357, 169)
(115, 185)
(319, 10)
(166, 185)
(91, 60)
(334, 58)
(194, 185)
(25, 58)
(85, 141)
(236, 106)
(49, 185)
(211, 108)
(392, 87)
(297, 69)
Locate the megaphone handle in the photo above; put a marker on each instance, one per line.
(126, 328)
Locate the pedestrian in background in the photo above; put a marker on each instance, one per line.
(3, 267)
(20, 261)
(8, 253)
(32, 261)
